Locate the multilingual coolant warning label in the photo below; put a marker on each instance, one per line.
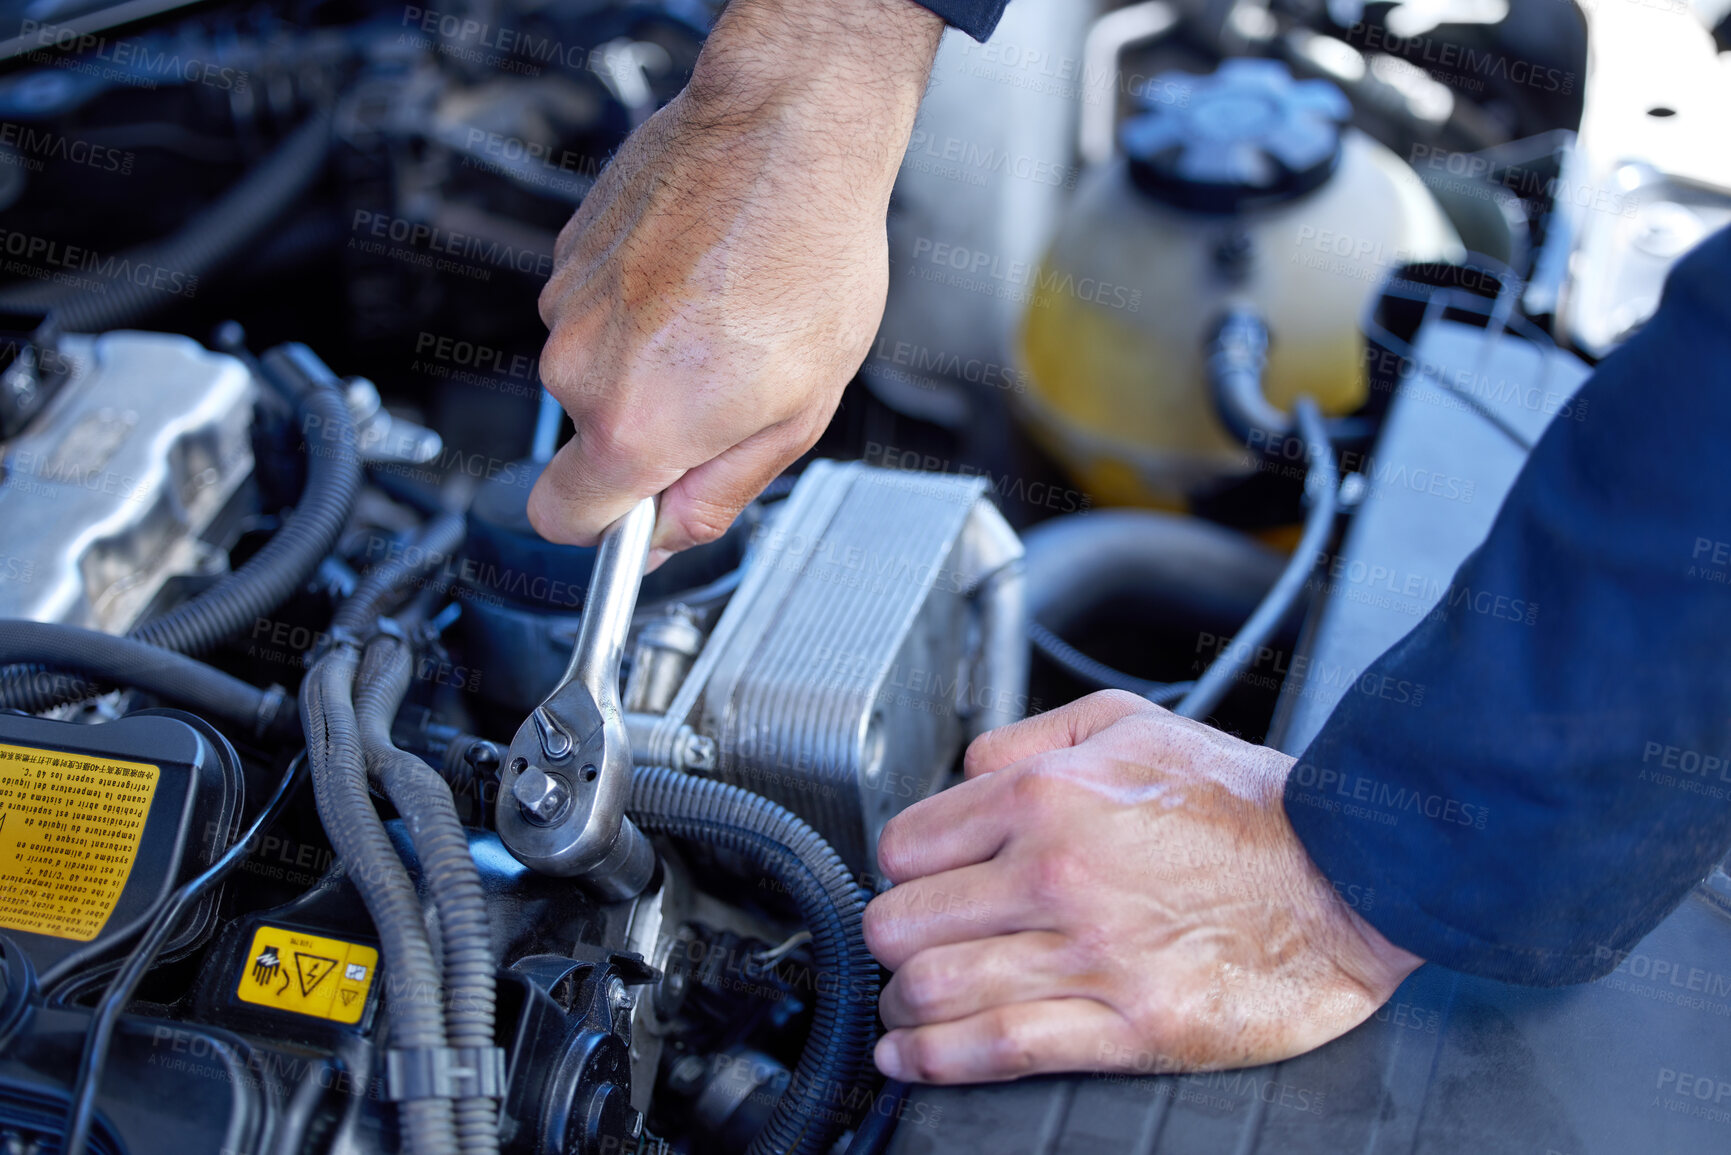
(291, 970)
(70, 825)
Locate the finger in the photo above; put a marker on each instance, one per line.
(953, 982)
(1008, 1042)
(586, 488)
(1066, 726)
(956, 906)
(954, 828)
(700, 506)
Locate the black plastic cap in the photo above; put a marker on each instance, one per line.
(1246, 136)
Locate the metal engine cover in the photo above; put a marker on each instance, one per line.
(108, 489)
(879, 625)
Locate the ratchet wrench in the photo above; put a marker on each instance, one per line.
(567, 777)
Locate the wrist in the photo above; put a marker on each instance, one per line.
(857, 68)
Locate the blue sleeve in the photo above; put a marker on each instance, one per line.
(1574, 776)
(975, 17)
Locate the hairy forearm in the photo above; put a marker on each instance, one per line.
(844, 78)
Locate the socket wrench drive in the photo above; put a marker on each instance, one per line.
(566, 780)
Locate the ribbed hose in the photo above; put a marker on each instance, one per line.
(816, 1102)
(267, 579)
(424, 801)
(201, 248)
(285, 562)
(359, 839)
(126, 662)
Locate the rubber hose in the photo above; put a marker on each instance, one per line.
(272, 575)
(201, 248)
(267, 579)
(358, 836)
(381, 587)
(810, 1113)
(128, 662)
(1322, 487)
(1097, 673)
(428, 811)
(1190, 571)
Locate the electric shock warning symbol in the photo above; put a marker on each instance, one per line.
(308, 974)
(312, 970)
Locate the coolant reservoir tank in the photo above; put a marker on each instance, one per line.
(1243, 186)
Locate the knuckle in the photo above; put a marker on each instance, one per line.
(1116, 703)
(926, 986)
(546, 516)
(1058, 876)
(1009, 1044)
(1035, 792)
(926, 1058)
(895, 850)
(882, 931)
(703, 520)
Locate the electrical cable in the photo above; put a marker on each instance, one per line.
(81, 1114)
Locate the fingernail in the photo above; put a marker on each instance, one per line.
(888, 1059)
(656, 557)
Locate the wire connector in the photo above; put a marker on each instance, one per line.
(444, 1073)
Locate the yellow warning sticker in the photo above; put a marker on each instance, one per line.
(291, 970)
(70, 825)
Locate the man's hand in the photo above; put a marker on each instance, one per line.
(724, 279)
(1114, 888)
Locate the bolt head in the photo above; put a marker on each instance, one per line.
(542, 796)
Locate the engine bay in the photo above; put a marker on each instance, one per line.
(281, 870)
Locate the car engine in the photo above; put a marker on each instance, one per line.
(1213, 423)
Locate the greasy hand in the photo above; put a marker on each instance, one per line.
(1114, 888)
(723, 280)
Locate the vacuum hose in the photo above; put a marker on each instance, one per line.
(127, 662)
(810, 1113)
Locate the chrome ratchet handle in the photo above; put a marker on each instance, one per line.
(567, 776)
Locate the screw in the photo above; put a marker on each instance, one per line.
(542, 796)
(617, 996)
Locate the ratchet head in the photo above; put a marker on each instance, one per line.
(567, 777)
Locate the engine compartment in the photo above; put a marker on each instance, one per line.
(271, 411)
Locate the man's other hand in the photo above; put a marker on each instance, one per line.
(724, 279)
(1114, 888)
